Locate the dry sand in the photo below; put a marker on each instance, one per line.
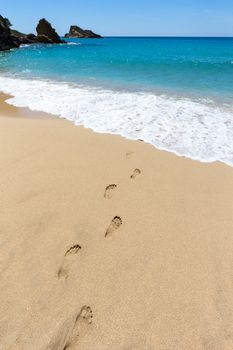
(144, 264)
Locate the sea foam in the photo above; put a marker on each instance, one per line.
(198, 129)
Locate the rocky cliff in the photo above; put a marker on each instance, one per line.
(7, 41)
(77, 32)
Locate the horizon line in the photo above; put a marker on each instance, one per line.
(161, 36)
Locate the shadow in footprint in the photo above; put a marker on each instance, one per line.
(136, 173)
(80, 328)
(72, 330)
(68, 260)
(129, 155)
(109, 191)
(114, 225)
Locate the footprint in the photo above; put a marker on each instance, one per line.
(129, 155)
(80, 328)
(136, 172)
(114, 225)
(72, 330)
(108, 191)
(68, 260)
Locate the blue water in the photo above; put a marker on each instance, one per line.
(175, 93)
(200, 66)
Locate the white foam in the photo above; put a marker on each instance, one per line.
(196, 129)
(73, 43)
(24, 45)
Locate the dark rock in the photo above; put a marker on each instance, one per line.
(21, 38)
(91, 34)
(17, 34)
(44, 39)
(47, 34)
(31, 38)
(7, 41)
(77, 32)
(10, 38)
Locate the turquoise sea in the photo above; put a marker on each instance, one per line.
(175, 93)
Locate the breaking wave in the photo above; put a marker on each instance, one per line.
(195, 128)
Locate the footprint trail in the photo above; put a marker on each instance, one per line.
(68, 260)
(129, 155)
(136, 173)
(114, 225)
(72, 331)
(109, 191)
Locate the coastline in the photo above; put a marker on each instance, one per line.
(162, 280)
(188, 127)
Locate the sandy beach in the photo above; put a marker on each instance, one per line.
(110, 244)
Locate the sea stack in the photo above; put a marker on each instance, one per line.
(46, 34)
(77, 32)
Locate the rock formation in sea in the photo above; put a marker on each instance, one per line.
(47, 34)
(7, 41)
(11, 38)
(22, 38)
(77, 32)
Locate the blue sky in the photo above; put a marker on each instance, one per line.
(126, 17)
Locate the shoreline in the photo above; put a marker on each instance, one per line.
(159, 277)
(40, 114)
(184, 126)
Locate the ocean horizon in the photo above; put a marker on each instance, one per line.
(175, 93)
